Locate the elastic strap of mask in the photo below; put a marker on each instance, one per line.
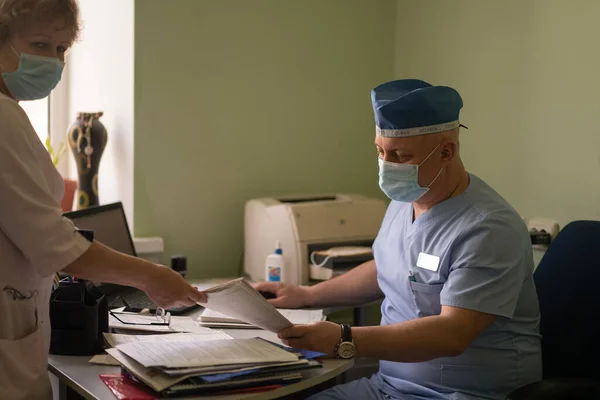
(14, 51)
(429, 155)
(434, 179)
(438, 174)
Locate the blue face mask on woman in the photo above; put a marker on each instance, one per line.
(35, 77)
(400, 182)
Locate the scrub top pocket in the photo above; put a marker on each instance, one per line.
(426, 298)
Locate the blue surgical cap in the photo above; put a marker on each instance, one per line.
(411, 107)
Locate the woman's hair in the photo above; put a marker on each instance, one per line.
(17, 15)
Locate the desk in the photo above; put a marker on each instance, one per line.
(82, 377)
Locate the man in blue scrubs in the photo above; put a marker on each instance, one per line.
(453, 262)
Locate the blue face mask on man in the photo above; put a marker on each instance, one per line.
(400, 182)
(35, 77)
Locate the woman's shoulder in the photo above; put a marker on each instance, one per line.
(10, 108)
(13, 117)
(4, 98)
(15, 129)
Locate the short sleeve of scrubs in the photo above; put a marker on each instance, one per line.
(487, 268)
(29, 214)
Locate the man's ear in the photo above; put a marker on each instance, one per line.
(449, 151)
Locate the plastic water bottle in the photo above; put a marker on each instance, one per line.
(275, 268)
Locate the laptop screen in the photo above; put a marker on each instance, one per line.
(109, 225)
(110, 228)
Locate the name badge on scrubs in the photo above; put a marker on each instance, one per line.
(427, 261)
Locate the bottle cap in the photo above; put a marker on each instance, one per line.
(278, 247)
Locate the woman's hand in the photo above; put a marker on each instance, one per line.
(168, 289)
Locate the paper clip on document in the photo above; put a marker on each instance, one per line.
(160, 318)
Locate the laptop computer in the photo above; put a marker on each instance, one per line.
(111, 229)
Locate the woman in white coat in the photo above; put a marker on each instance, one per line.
(35, 240)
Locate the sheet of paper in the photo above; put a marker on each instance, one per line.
(213, 369)
(114, 339)
(224, 376)
(208, 353)
(159, 381)
(178, 324)
(155, 379)
(302, 317)
(227, 325)
(227, 368)
(240, 300)
(104, 359)
(295, 316)
(209, 315)
(246, 384)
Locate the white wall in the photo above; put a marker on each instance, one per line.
(101, 78)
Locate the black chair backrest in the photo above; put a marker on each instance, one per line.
(568, 287)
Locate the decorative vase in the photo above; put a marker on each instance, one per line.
(87, 139)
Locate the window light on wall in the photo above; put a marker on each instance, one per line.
(38, 113)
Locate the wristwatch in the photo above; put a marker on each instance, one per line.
(345, 348)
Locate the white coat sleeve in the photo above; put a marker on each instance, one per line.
(29, 215)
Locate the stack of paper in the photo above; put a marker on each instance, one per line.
(113, 340)
(238, 299)
(186, 364)
(215, 319)
(198, 360)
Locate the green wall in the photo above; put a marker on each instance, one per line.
(240, 99)
(528, 74)
(236, 99)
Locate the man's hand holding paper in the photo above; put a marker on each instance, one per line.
(322, 336)
(238, 299)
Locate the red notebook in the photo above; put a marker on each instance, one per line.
(126, 389)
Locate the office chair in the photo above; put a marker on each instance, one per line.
(568, 286)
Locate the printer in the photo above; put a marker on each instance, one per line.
(329, 225)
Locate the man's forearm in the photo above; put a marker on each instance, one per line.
(101, 264)
(357, 286)
(417, 340)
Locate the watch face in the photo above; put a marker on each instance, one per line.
(346, 350)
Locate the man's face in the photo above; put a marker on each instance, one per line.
(413, 150)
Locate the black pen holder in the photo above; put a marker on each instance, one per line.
(78, 316)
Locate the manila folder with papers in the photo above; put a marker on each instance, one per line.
(238, 299)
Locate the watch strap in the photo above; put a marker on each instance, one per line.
(346, 333)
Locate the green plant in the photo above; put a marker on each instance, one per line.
(55, 155)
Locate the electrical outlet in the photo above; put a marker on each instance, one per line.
(543, 224)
